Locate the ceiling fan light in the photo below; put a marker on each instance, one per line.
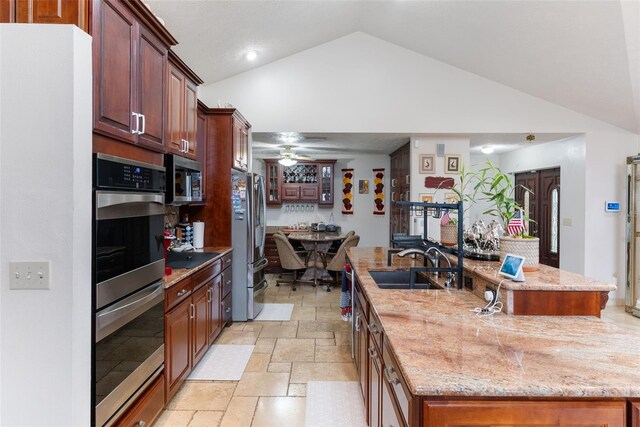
(287, 161)
(487, 149)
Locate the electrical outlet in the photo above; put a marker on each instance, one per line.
(490, 295)
(30, 275)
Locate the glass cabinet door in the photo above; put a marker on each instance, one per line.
(273, 184)
(326, 184)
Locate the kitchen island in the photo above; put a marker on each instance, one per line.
(426, 359)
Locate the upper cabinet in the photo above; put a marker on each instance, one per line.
(302, 182)
(240, 144)
(130, 52)
(45, 12)
(182, 107)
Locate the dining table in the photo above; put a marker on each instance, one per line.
(316, 242)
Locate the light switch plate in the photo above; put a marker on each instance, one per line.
(567, 222)
(30, 275)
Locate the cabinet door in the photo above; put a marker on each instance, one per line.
(201, 153)
(309, 192)
(240, 145)
(190, 125)
(147, 407)
(215, 320)
(225, 307)
(290, 192)
(390, 415)
(115, 39)
(274, 183)
(152, 60)
(177, 350)
(200, 323)
(375, 372)
(52, 12)
(175, 107)
(635, 414)
(362, 361)
(325, 170)
(486, 413)
(7, 11)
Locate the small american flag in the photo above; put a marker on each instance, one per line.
(516, 224)
(445, 218)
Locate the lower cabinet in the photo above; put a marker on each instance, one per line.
(635, 414)
(177, 347)
(200, 315)
(215, 318)
(147, 408)
(515, 413)
(375, 383)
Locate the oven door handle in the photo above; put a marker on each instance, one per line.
(121, 313)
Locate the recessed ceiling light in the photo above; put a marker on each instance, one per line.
(487, 149)
(251, 55)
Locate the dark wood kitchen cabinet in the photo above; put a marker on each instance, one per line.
(303, 182)
(130, 51)
(147, 407)
(400, 175)
(200, 318)
(201, 145)
(635, 413)
(240, 144)
(215, 318)
(46, 12)
(177, 347)
(182, 107)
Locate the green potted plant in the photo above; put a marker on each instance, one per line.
(498, 188)
(466, 191)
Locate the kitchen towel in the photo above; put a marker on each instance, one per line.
(198, 234)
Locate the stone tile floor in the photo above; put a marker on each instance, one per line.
(314, 346)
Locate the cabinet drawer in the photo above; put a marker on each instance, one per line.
(176, 293)
(203, 276)
(360, 301)
(375, 329)
(226, 281)
(225, 306)
(393, 377)
(226, 261)
(147, 407)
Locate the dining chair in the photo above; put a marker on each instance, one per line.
(290, 259)
(333, 264)
(333, 249)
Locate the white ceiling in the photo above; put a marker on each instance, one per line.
(579, 54)
(340, 145)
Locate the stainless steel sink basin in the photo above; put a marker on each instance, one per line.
(401, 279)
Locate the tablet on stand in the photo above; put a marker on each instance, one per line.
(512, 267)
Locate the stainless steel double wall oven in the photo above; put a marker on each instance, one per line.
(128, 291)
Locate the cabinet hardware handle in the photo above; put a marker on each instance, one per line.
(388, 372)
(358, 322)
(193, 311)
(188, 145)
(393, 183)
(136, 119)
(209, 295)
(228, 282)
(407, 179)
(393, 196)
(144, 123)
(228, 310)
(372, 353)
(373, 328)
(182, 292)
(141, 423)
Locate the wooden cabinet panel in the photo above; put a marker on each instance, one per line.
(176, 293)
(362, 361)
(7, 11)
(240, 145)
(177, 353)
(215, 318)
(274, 183)
(290, 192)
(635, 414)
(201, 153)
(305, 182)
(225, 307)
(391, 417)
(191, 117)
(309, 192)
(147, 408)
(512, 413)
(200, 312)
(52, 12)
(175, 110)
(152, 60)
(375, 382)
(115, 69)
(182, 105)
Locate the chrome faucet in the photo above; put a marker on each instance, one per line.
(413, 251)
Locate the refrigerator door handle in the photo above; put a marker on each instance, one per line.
(260, 265)
(263, 213)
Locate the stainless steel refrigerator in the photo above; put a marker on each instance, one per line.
(248, 231)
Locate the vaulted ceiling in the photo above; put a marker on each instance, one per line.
(583, 55)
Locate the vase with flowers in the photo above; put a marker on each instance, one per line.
(498, 189)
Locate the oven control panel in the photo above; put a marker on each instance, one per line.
(116, 173)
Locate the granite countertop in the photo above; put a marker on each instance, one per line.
(180, 273)
(444, 349)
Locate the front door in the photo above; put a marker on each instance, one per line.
(542, 210)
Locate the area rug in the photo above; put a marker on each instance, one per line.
(334, 404)
(276, 312)
(223, 362)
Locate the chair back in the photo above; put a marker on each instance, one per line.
(340, 257)
(349, 234)
(289, 259)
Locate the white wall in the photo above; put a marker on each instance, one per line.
(372, 229)
(570, 155)
(45, 191)
(359, 83)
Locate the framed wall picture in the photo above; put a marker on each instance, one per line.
(426, 198)
(363, 186)
(452, 163)
(427, 163)
(451, 198)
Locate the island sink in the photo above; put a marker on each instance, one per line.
(402, 279)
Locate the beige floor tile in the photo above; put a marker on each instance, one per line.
(325, 341)
(297, 390)
(303, 313)
(324, 314)
(259, 362)
(279, 411)
(329, 326)
(170, 418)
(206, 419)
(338, 353)
(239, 412)
(279, 331)
(290, 350)
(312, 301)
(238, 337)
(303, 372)
(304, 289)
(200, 395)
(279, 367)
(267, 322)
(290, 323)
(314, 334)
(263, 384)
(250, 326)
(265, 345)
(343, 338)
(237, 326)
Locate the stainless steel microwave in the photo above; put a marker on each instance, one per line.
(184, 180)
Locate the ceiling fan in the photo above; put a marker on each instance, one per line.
(289, 158)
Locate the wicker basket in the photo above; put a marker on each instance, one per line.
(527, 248)
(449, 234)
